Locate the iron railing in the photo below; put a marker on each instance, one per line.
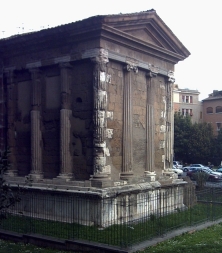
(123, 222)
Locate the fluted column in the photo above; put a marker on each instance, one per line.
(65, 124)
(169, 120)
(100, 171)
(2, 115)
(150, 124)
(11, 112)
(36, 133)
(127, 166)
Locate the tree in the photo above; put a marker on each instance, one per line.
(195, 143)
(218, 148)
(201, 143)
(8, 197)
(182, 130)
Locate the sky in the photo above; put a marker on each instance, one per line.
(196, 23)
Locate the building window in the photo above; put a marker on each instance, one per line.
(191, 112)
(186, 112)
(219, 124)
(219, 109)
(191, 99)
(209, 109)
(183, 112)
(183, 99)
(187, 99)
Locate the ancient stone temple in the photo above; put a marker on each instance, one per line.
(89, 104)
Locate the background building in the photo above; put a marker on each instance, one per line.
(187, 102)
(212, 110)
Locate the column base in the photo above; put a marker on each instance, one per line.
(150, 176)
(11, 173)
(126, 176)
(170, 173)
(35, 176)
(64, 176)
(101, 180)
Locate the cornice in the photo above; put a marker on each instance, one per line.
(90, 54)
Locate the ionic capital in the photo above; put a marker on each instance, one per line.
(65, 65)
(35, 73)
(170, 75)
(131, 66)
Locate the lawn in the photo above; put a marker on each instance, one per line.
(208, 240)
(121, 235)
(11, 247)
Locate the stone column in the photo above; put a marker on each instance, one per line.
(2, 116)
(169, 120)
(65, 124)
(100, 171)
(127, 167)
(36, 133)
(11, 118)
(150, 124)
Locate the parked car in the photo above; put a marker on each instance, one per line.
(212, 171)
(198, 165)
(211, 175)
(186, 168)
(179, 172)
(219, 170)
(177, 164)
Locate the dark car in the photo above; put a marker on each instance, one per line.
(192, 173)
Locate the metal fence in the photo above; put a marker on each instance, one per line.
(71, 217)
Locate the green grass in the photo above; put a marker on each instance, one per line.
(11, 247)
(120, 235)
(208, 240)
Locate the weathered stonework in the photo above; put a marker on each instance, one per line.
(94, 108)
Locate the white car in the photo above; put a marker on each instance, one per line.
(194, 166)
(179, 172)
(177, 165)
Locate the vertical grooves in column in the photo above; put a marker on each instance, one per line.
(36, 137)
(127, 126)
(65, 140)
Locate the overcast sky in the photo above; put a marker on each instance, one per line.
(196, 23)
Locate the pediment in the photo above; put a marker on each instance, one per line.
(146, 35)
(147, 27)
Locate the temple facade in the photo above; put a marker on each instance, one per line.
(90, 102)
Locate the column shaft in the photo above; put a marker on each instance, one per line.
(11, 132)
(150, 124)
(36, 133)
(127, 166)
(36, 149)
(65, 135)
(65, 123)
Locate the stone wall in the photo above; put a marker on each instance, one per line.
(103, 208)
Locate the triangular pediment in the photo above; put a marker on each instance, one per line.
(147, 27)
